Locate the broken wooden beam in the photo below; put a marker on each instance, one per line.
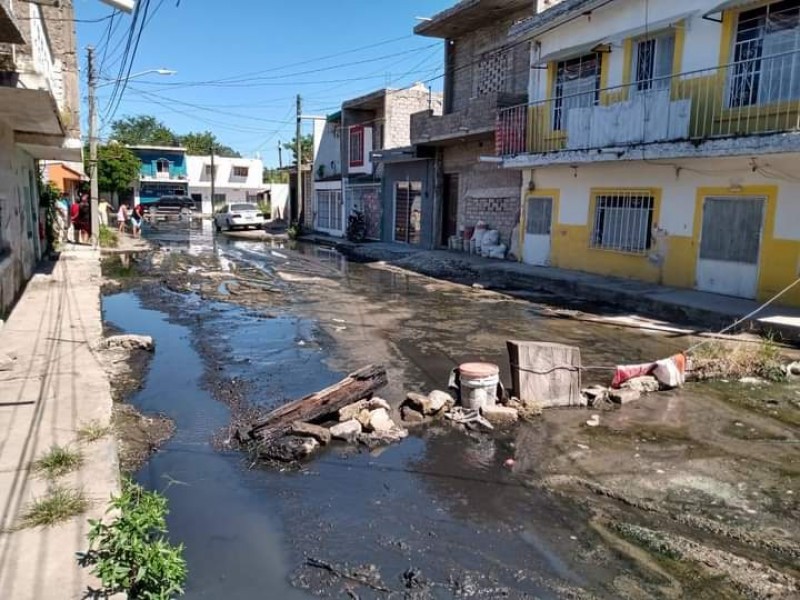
(356, 386)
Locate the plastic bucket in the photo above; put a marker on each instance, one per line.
(478, 384)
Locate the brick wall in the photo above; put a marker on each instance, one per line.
(400, 105)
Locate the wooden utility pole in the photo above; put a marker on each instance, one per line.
(299, 159)
(93, 190)
(213, 181)
(280, 155)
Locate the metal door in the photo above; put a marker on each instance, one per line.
(407, 211)
(449, 207)
(730, 246)
(538, 223)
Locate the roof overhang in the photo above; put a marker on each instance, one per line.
(50, 147)
(9, 30)
(370, 101)
(406, 154)
(561, 13)
(30, 111)
(468, 15)
(728, 5)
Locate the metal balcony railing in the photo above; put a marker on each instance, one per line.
(756, 96)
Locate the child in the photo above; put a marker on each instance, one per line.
(122, 217)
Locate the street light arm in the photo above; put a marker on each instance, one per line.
(141, 74)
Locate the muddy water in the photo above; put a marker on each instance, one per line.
(440, 504)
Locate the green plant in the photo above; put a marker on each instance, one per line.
(58, 505)
(295, 230)
(108, 237)
(92, 431)
(58, 461)
(732, 360)
(130, 553)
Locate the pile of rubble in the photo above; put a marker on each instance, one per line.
(604, 398)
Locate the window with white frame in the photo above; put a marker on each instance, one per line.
(765, 55)
(329, 209)
(623, 221)
(209, 171)
(162, 165)
(240, 171)
(652, 62)
(356, 146)
(577, 85)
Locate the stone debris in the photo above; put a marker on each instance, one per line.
(643, 385)
(593, 421)
(500, 415)
(129, 342)
(347, 431)
(624, 395)
(409, 415)
(321, 434)
(418, 402)
(793, 369)
(363, 417)
(380, 421)
(290, 448)
(439, 401)
(596, 394)
(527, 409)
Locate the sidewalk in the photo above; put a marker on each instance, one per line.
(54, 385)
(691, 307)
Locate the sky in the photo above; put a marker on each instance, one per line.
(240, 63)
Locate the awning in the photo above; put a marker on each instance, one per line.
(571, 52)
(30, 111)
(50, 147)
(729, 4)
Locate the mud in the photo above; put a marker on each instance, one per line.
(711, 469)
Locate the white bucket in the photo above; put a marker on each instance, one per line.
(478, 383)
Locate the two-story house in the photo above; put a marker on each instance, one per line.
(162, 172)
(483, 73)
(38, 121)
(236, 180)
(661, 141)
(371, 124)
(328, 211)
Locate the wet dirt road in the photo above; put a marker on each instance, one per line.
(438, 515)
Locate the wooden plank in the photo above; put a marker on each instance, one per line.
(356, 386)
(547, 373)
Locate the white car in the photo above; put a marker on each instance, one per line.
(241, 216)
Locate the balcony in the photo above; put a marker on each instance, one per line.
(479, 118)
(9, 29)
(752, 105)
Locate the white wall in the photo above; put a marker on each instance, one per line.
(279, 196)
(679, 181)
(612, 23)
(329, 153)
(236, 189)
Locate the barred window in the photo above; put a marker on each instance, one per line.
(623, 221)
(329, 209)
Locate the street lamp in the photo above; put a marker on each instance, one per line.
(93, 190)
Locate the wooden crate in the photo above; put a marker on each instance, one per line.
(547, 373)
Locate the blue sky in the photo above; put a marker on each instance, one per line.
(256, 46)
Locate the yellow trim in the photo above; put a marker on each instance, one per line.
(729, 18)
(595, 192)
(555, 195)
(552, 70)
(680, 42)
(627, 65)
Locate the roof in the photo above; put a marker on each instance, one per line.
(367, 100)
(553, 17)
(335, 117)
(148, 147)
(469, 15)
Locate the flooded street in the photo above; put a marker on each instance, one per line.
(438, 515)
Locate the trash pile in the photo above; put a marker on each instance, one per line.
(479, 240)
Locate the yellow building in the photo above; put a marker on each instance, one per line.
(661, 142)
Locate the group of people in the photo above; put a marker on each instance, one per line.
(74, 218)
(135, 217)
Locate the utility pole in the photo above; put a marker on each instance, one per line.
(95, 212)
(299, 155)
(280, 155)
(213, 180)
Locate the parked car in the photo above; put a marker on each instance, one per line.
(241, 216)
(171, 205)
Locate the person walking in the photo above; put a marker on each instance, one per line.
(122, 217)
(103, 208)
(84, 224)
(136, 223)
(74, 213)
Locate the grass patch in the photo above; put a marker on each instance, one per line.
(731, 360)
(108, 237)
(58, 505)
(93, 431)
(58, 461)
(113, 268)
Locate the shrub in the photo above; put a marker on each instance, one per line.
(130, 553)
(732, 360)
(108, 237)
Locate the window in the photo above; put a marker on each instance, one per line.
(765, 55)
(492, 71)
(208, 170)
(623, 221)
(240, 171)
(162, 165)
(653, 60)
(329, 209)
(577, 85)
(356, 152)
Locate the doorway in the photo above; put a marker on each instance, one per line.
(730, 245)
(407, 211)
(449, 207)
(538, 225)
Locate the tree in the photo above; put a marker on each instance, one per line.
(275, 176)
(117, 168)
(143, 129)
(307, 148)
(199, 144)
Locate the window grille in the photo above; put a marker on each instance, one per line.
(577, 85)
(623, 221)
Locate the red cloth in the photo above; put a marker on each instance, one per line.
(74, 211)
(625, 372)
(678, 363)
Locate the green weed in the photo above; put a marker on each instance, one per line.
(58, 461)
(93, 431)
(108, 237)
(58, 505)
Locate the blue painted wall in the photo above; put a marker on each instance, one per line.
(149, 158)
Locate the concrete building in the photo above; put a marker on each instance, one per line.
(371, 124)
(328, 210)
(235, 180)
(483, 73)
(162, 172)
(68, 177)
(38, 121)
(660, 142)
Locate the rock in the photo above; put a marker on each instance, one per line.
(410, 415)
(130, 342)
(380, 421)
(793, 369)
(623, 396)
(351, 411)
(321, 434)
(290, 448)
(439, 401)
(387, 436)
(375, 403)
(364, 417)
(418, 402)
(593, 421)
(643, 385)
(500, 415)
(346, 431)
(594, 391)
(527, 409)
